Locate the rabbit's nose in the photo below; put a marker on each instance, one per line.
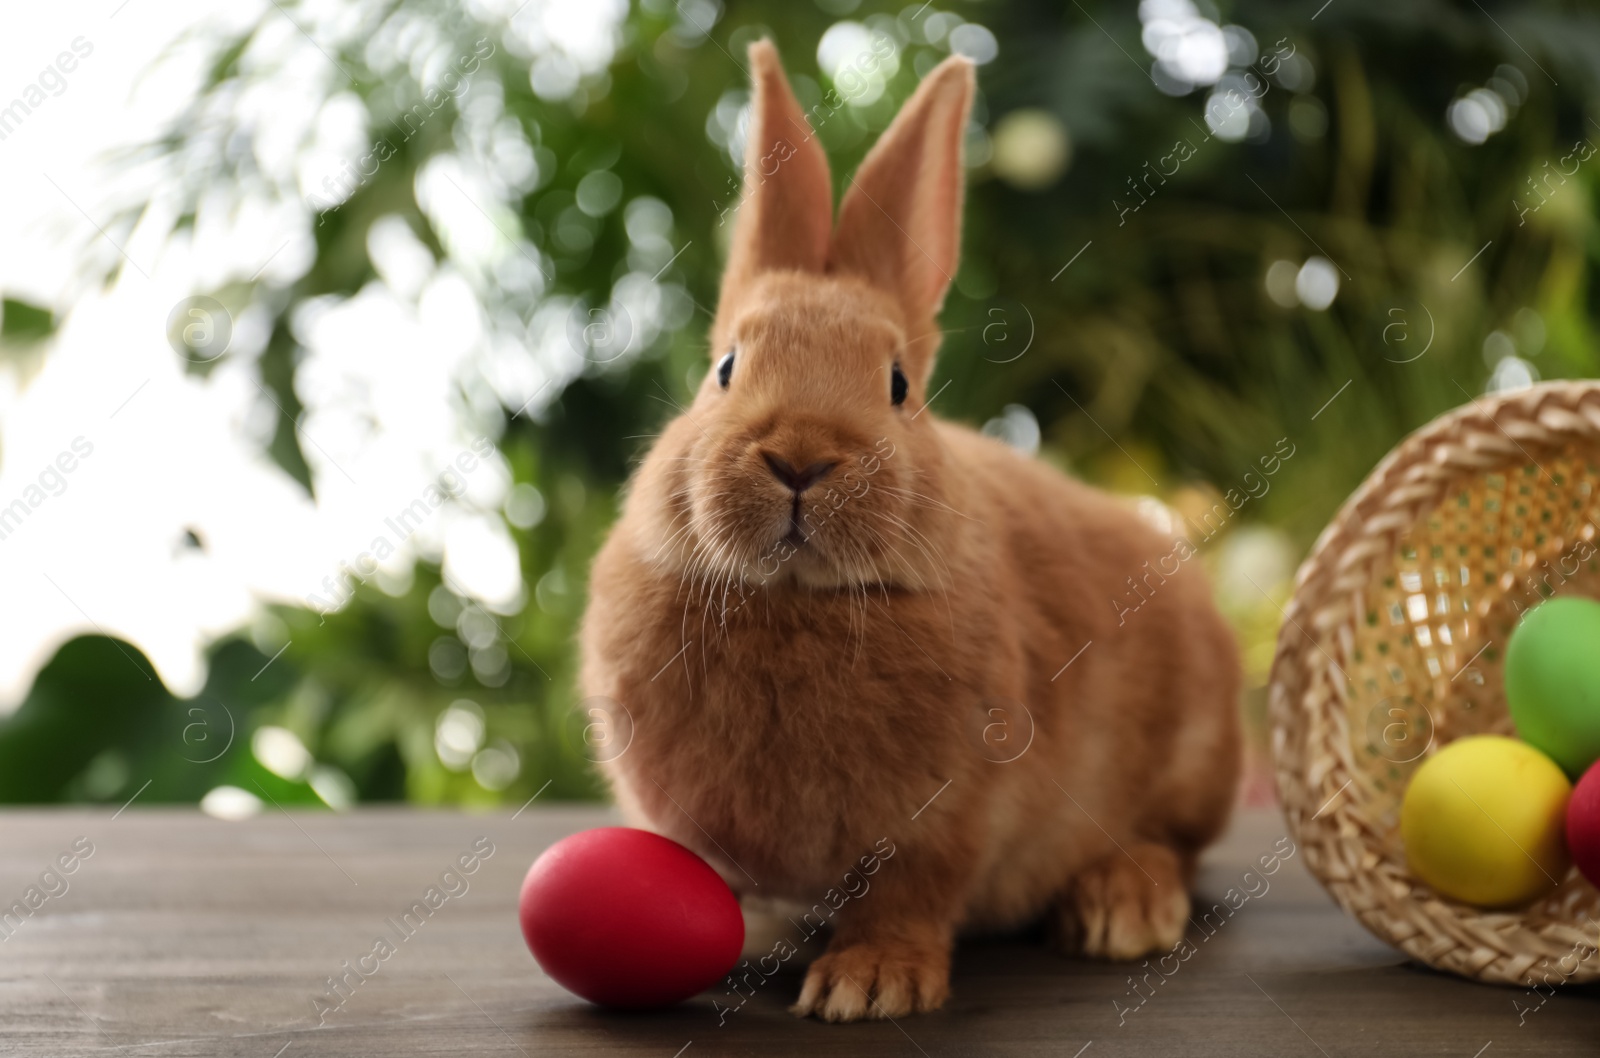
(798, 480)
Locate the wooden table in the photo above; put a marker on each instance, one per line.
(184, 935)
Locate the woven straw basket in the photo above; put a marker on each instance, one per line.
(1392, 646)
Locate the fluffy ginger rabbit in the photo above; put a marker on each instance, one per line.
(840, 627)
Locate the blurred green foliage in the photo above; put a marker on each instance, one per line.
(22, 323)
(1155, 361)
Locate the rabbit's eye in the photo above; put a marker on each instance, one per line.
(897, 385)
(725, 369)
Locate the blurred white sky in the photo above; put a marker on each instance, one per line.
(169, 452)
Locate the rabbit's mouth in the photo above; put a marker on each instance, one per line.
(796, 536)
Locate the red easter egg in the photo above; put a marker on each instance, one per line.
(627, 918)
(1583, 824)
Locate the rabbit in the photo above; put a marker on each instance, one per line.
(844, 637)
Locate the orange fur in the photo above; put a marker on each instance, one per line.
(795, 705)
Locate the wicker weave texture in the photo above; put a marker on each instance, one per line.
(1392, 646)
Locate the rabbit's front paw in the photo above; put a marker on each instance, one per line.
(876, 979)
(1126, 905)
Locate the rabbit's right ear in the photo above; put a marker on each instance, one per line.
(786, 208)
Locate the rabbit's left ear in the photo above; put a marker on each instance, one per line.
(900, 221)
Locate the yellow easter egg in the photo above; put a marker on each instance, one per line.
(1483, 822)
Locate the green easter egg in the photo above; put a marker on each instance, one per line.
(1553, 681)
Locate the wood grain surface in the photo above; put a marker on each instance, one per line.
(184, 935)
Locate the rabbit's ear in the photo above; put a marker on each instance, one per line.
(900, 220)
(786, 208)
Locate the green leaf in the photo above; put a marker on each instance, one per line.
(22, 323)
